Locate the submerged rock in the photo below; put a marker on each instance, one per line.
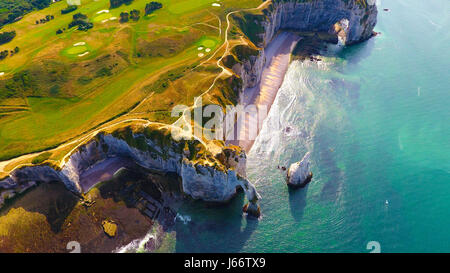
(298, 174)
(252, 209)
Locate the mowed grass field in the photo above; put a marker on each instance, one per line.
(93, 91)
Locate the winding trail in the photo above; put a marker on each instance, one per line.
(83, 139)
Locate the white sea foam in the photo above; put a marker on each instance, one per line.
(137, 245)
(185, 219)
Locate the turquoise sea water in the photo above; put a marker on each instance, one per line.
(376, 118)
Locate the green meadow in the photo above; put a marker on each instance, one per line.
(61, 90)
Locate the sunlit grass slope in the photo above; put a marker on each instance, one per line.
(61, 86)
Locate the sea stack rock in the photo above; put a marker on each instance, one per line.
(298, 174)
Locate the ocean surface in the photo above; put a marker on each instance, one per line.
(376, 119)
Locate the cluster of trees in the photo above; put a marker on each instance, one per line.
(5, 53)
(7, 36)
(45, 20)
(151, 7)
(60, 31)
(69, 9)
(81, 20)
(134, 15)
(117, 3)
(13, 10)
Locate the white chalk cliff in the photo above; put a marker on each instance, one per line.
(203, 182)
(355, 20)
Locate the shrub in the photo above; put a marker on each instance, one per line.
(79, 16)
(81, 20)
(84, 80)
(69, 9)
(4, 54)
(135, 15)
(151, 7)
(6, 37)
(117, 3)
(105, 71)
(124, 17)
(41, 158)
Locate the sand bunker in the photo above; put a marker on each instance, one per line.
(84, 54)
(201, 55)
(79, 44)
(103, 11)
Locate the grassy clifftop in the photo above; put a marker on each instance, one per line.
(62, 86)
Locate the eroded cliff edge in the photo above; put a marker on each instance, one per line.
(206, 175)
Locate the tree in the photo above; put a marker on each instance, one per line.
(124, 17)
(7, 36)
(151, 7)
(79, 16)
(4, 54)
(134, 15)
(81, 20)
(41, 4)
(16, 49)
(69, 9)
(117, 3)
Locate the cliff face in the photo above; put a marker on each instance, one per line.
(321, 15)
(216, 180)
(352, 21)
(250, 69)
